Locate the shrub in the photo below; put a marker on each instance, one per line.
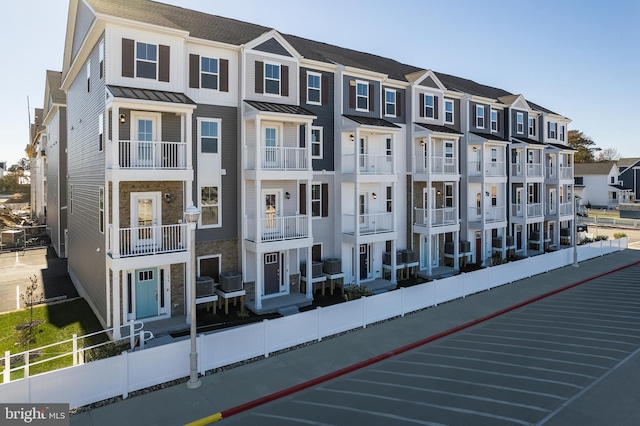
(352, 292)
(619, 235)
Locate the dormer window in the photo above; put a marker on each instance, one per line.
(479, 116)
(272, 79)
(519, 123)
(146, 60)
(362, 95)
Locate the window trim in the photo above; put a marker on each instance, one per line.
(265, 78)
(392, 104)
(216, 74)
(203, 205)
(449, 102)
(532, 126)
(101, 215)
(520, 123)
(317, 201)
(479, 117)
(156, 62)
(101, 58)
(366, 97)
(218, 122)
(100, 132)
(553, 130)
(88, 75)
(319, 88)
(494, 123)
(428, 107)
(319, 143)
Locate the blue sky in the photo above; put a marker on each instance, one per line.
(580, 59)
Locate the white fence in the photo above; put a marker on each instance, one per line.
(131, 371)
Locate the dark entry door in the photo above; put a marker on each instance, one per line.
(478, 249)
(364, 261)
(271, 273)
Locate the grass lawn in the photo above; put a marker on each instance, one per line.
(59, 322)
(614, 214)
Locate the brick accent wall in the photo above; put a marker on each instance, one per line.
(171, 212)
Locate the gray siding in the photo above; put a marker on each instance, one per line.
(229, 161)
(375, 96)
(399, 118)
(323, 227)
(272, 46)
(86, 173)
(84, 17)
(325, 119)
(57, 180)
(428, 82)
(514, 124)
(457, 115)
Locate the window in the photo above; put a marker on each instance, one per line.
(272, 79)
(494, 155)
(390, 102)
(101, 209)
(101, 58)
(552, 130)
(562, 133)
(314, 88)
(316, 200)
(88, 75)
(146, 60)
(389, 150)
(209, 73)
(71, 199)
(613, 179)
(210, 204)
(494, 196)
(100, 132)
(362, 96)
(479, 116)
(494, 120)
(316, 142)
(578, 180)
(532, 126)
(209, 137)
(448, 112)
(519, 123)
(429, 108)
(389, 199)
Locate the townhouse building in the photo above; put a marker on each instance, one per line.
(37, 154)
(309, 162)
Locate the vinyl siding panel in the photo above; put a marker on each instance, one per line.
(375, 96)
(325, 114)
(294, 85)
(324, 227)
(86, 174)
(84, 17)
(272, 46)
(56, 180)
(210, 96)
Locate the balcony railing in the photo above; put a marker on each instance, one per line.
(517, 169)
(534, 169)
(565, 209)
(566, 172)
(532, 210)
(373, 223)
(149, 240)
(278, 228)
(436, 217)
(368, 164)
(152, 155)
(437, 165)
(279, 158)
(491, 214)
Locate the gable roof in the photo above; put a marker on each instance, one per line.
(54, 80)
(627, 162)
(599, 168)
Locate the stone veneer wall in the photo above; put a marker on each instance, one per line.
(171, 212)
(227, 249)
(177, 289)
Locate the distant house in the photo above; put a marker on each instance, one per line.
(3, 168)
(598, 185)
(629, 169)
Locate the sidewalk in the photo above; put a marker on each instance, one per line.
(224, 390)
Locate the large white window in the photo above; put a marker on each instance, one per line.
(552, 130)
(362, 95)
(429, 107)
(532, 126)
(389, 102)
(100, 132)
(316, 142)
(209, 136)
(272, 79)
(480, 116)
(316, 200)
(314, 88)
(146, 60)
(210, 205)
(209, 73)
(448, 112)
(519, 123)
(494, 120)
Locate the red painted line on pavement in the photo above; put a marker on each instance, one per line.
(318, 380)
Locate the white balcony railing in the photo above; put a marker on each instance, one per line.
(279, 158)
(517, 169)
(565, 209)
(368, 164)
(436, 217)
(277, 228)
(372, 223)
(534, 169)
(152, 155)
(534, 210)
(566, 172)
(491, 214)
(436, 165)
(148, 240)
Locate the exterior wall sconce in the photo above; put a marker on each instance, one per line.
(167, 197)
(486, 193)
(286, 194)
(423, 142)
(123, 119)
(438, 192)
(374, 196)
(352, 138)
(475, 149)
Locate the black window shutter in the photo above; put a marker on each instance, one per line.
(435, 107)
(259, 77)
(224, 75)
(303, 198)
(325, 90)
(127, 57)
(194, 71)
(498, 117)
(421, 105)
(325, 200)
(548, 129)
(303, 86)
(372, 98)
(164, 61)
(352, 94)
(398, 104)
(284, 80)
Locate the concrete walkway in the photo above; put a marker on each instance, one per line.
(225, 390)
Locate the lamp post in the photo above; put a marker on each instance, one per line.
(575, 231)
(191, 215)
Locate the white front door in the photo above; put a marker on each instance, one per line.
(271, 147)
(518, 201)
(145, 131)
(272, 199)
(435, 251)
(145, 220)
(363, 150)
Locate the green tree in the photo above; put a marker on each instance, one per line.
(583, 144)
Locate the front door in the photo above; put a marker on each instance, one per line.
(518, 237)
(146, 292)
(478, 248)
(519, 201)
(363, 150)
(272, 211)
(145, 218)
(364, 261)
(272, 275)
(145, 132)
(271, 147)
(435, 251)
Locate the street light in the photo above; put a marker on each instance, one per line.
(191, 215)
(575, 231)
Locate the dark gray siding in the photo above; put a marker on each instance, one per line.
(457, 124)
(399, 118)
(229, 161)
(84, 17)
(272, 46)
(375, 96)
(428, 82)
(86, 173)
(472, 118)
(57, 182)
(514, 123)
(325, 120)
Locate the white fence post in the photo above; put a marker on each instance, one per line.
(364, 311)
(132, 337)
(265, 322)
(7, 367)
(75, 349)
(319, 316)
(26, 364)
(124, 373)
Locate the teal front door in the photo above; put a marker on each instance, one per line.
(146, 292)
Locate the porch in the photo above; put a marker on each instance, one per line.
(279, 303)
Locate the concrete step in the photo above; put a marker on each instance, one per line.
(288, 310)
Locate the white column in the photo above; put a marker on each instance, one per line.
(115, 137)
(309, 276)
(456, 250)
(116, 303)
(115, 218)
(394, 275)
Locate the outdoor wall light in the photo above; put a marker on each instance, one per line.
(352, 138)
(286, 194)
(374, 195)
(167, 197)
(423, 142)
(123, 119)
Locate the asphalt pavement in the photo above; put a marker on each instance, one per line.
(231, 392)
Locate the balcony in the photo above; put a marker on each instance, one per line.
(566, 173)
(370, 164)
(277, 228)
(374, 223)
(532, 210)
(491, 168)
(148, 240)
(279, 158)
(436, 165)
(151, 155)
(565, 209)
(534, 170)
(436, 217)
